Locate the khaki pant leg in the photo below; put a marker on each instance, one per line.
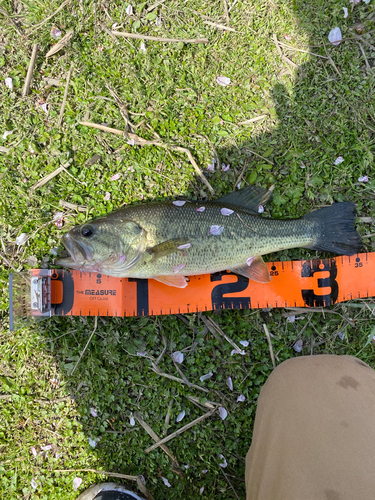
(314, 432)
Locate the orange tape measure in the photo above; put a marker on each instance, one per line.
(315, 283)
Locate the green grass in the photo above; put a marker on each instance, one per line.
(314, 115)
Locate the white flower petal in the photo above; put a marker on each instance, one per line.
(339, 160)
(363, 178)
(201, 209)
(224, 463)
(93, 412)
(239, 185)
(201, 490)
(241, 398)
(211, 166)
(179, 203)
(260, 209)
(131, 169)
(55, 33)
(166, 482)
(131, 142)
(223, 413)
(34, 452)
(9, 83)
(180, 416)
(236, 351)
(6, 133)
(77, 481)
(107, 196)
(47, 447)
(287, 37)
(245, 343)
(178, 268)
(178, 357)
(58, 455)
(216, 230)
(205, 377)
(115, 177)
(230, 383)
(131, 420)
(225, 168)
(345, 9)
(31, 149)
(142, 354)
(335, 36)
(158, 21)
(204, 471)
(226, 211)
(298, 346)
(21, 239)
(291, 319)
(186, 466)
(223, 81)
(250, 260)
(143, 47)
(44, 106)
(92, 443)
(367, 1)
(33, 484)
(185, 246)
(129, 10)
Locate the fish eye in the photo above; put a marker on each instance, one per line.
(87, 231)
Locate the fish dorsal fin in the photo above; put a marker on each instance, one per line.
(176, 280)
(258, 271)
(166, 248)
(250, 197)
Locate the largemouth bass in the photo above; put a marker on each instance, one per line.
(168, 241)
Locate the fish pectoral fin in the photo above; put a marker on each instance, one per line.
(166, 248)
(250, 197)
(258, 271)
(176, 280)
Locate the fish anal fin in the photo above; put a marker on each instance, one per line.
(250, 197)
(176, 280)
(166, 248)
(257, 271)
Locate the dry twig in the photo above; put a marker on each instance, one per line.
(60, 44)
(30, 70)
(4, 150)
(47, 178)
(219, 26)
(180, 431)
(64, 4)
(123, 108)
(65, 96)
(19, 30)
(157, 370)
(210, 323)
(253, 120)
(158, 38)
(284, 57)
(368, 67)
(269, 344)
(105, 473)
(87, 344)
(72, 206)
(157, 439)
(139, 141)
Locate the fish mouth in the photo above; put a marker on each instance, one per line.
(78, 253)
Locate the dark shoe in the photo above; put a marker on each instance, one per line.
(108, 491)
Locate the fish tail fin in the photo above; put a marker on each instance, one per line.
(336, 232)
